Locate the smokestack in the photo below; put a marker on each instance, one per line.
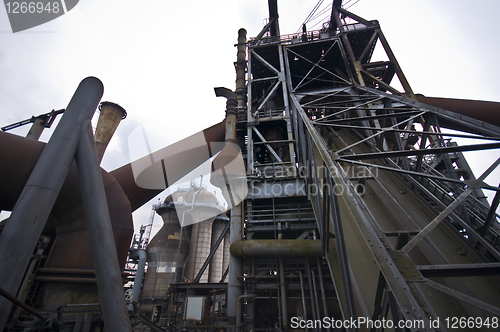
(110, 117)
(37, 127)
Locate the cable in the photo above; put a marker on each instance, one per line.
(326, 9)
(352, 4)
(310, 15)
(321, 15)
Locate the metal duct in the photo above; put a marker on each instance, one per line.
(67, 214)
(122, 192)
(182, 163)
(41, 190)
(487, 111)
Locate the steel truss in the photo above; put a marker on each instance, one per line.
(360, 204)
(406, 231)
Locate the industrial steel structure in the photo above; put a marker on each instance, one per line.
(360, 208)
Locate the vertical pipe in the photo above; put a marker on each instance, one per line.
(41, 190)
(234, 288)
(102, 243)
(311, 294)
(304, 307)
(315, 294)
(239, 309)
(283, 294)
(241, 68)
(279, 306)
(273, 17)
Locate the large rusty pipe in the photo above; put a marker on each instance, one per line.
(122, 192)
(180, 157)
(109, 118)
(487, 111)
(37, 199)
(21, 155)
(276, 248)
(70, 249)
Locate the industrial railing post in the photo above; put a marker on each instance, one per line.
(35, 203)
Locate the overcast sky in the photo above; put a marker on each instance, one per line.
(161, 59)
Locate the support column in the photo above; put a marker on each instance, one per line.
(102, 243)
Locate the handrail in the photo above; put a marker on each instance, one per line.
(312, 35)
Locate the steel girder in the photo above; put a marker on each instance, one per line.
(401, 147)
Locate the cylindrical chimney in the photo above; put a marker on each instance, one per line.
(38, 126)
(110, 117)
